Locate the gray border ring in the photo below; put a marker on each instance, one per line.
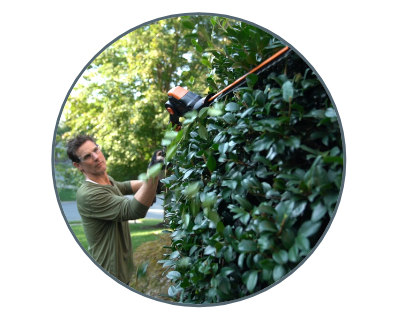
(341, 131)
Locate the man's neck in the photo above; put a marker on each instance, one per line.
(100, 179)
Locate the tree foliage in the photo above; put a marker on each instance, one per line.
(120, 98)
(256, 177)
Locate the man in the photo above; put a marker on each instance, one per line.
(104, 209)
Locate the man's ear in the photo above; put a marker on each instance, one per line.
(77, 165)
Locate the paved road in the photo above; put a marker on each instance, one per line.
(156, 211)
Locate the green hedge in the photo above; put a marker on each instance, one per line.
(256, 177)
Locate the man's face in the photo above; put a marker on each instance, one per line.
(92, 159)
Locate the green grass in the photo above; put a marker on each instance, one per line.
(75, 222)
(67, 194)
(138, 235)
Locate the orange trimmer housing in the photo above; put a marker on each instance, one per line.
(181, 101)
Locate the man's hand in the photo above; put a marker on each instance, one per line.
(146, 194)
(158, 157)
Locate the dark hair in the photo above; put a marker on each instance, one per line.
(75, 143)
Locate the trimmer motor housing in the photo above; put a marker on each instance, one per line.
(181, 101)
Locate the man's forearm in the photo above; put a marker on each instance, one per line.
(145, 195)
(136, 185)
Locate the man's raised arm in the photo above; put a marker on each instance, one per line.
(136, 185)
(146, 193)
(146, 190)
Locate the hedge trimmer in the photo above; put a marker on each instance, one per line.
(181, 101)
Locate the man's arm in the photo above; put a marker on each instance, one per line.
(146, 193)
(136, 185)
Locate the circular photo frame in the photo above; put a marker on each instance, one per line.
(231, 134)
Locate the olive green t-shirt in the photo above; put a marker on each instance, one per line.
(105, 213)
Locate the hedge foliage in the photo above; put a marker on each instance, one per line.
(256, 177)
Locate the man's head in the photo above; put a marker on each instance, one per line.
(74, 144)
(86, 155)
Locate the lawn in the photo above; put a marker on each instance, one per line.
(139, 235)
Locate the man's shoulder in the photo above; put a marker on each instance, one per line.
(83, 190)
(93, 190)
(87, 190)
(85, 186)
